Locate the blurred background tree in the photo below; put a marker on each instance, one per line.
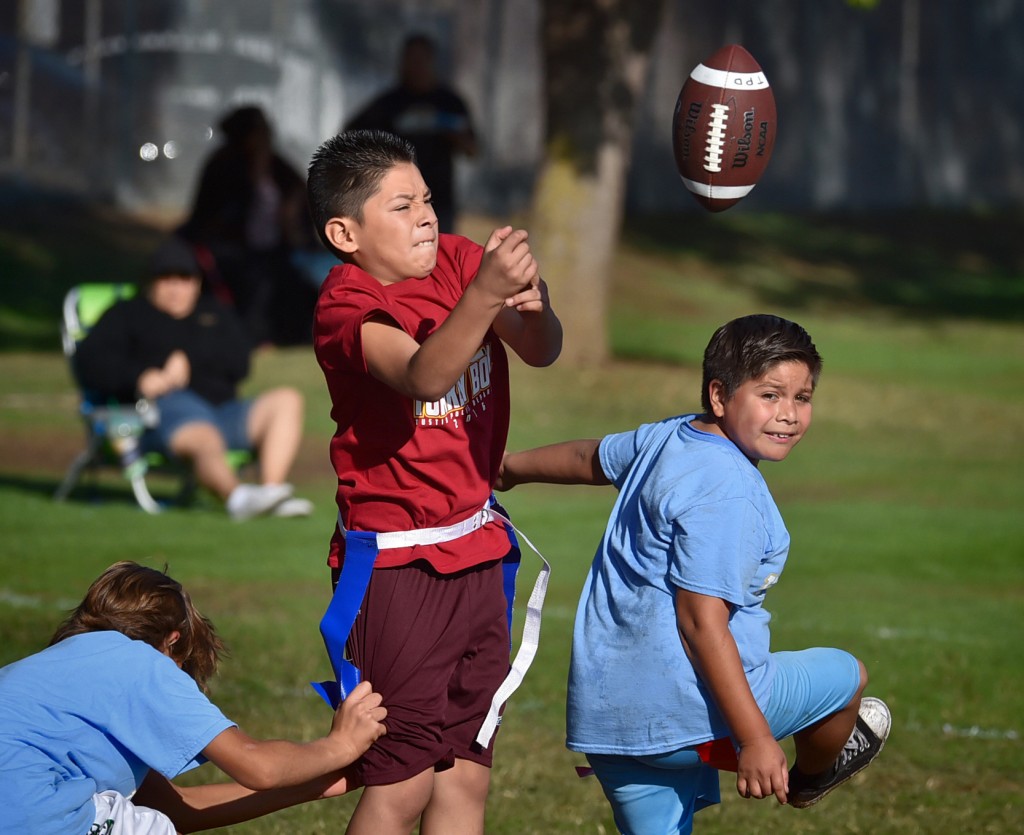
(595, 66)
(112, 106)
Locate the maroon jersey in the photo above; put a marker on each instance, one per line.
(405, 464)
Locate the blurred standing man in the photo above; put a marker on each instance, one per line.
(430, 115)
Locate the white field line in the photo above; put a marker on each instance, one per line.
(28, 601)
(895, 633)
(974, 732)
(971, 732)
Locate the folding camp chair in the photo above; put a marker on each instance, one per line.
(114, 431)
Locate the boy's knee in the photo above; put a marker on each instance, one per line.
(863, 683)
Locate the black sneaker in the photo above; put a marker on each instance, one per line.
(867, 739)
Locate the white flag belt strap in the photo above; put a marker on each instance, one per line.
(429, 536)
(527, 645)
(531, 626)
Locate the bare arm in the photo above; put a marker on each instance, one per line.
(275, 763)
(530, 327)
(195, 808)
(269, 775)
(570, 462)
(428, 371)
(703, 623)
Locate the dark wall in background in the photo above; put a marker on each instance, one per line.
(881, 104)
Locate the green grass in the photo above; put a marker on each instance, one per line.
(904, 504)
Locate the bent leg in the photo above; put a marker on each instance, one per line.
(274, 426)
(818, 745)
(202, 445)
(815, 697)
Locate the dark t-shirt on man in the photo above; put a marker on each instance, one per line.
(133, 336)
(427, 120)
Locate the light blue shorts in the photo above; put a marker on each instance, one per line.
(658, 794)
(809, 685)
(185, 406)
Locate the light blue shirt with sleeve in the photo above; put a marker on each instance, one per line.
(92, 713)
(693, 513)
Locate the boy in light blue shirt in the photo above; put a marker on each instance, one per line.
(671, 674)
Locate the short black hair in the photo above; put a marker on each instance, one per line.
(745, 348)
(347, 170)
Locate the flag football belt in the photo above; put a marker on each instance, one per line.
(716, 753)
(361, 549)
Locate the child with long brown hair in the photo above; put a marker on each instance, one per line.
(93, 728)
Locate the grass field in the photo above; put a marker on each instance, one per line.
(904, 504)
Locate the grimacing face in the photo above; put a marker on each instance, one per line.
(397, 237)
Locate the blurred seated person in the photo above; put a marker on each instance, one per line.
(250, 217)
(428, 113)
(187, 353)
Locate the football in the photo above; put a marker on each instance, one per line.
(723, 128)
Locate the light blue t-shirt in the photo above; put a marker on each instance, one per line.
(94, 712)
(692, 513)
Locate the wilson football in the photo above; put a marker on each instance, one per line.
(723, 129)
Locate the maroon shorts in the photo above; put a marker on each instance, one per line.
(436, 647)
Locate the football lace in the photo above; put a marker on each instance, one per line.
(716, 137)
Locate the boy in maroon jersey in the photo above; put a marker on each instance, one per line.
(410, 332)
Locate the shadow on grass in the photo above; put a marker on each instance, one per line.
(89, 491)
(40, 485)
(921, 264)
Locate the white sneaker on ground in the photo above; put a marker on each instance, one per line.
(293, 507)
(249, 500)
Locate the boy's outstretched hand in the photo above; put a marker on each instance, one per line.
(358, 720)
(508, 266)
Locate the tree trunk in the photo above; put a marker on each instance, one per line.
(596, 56)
